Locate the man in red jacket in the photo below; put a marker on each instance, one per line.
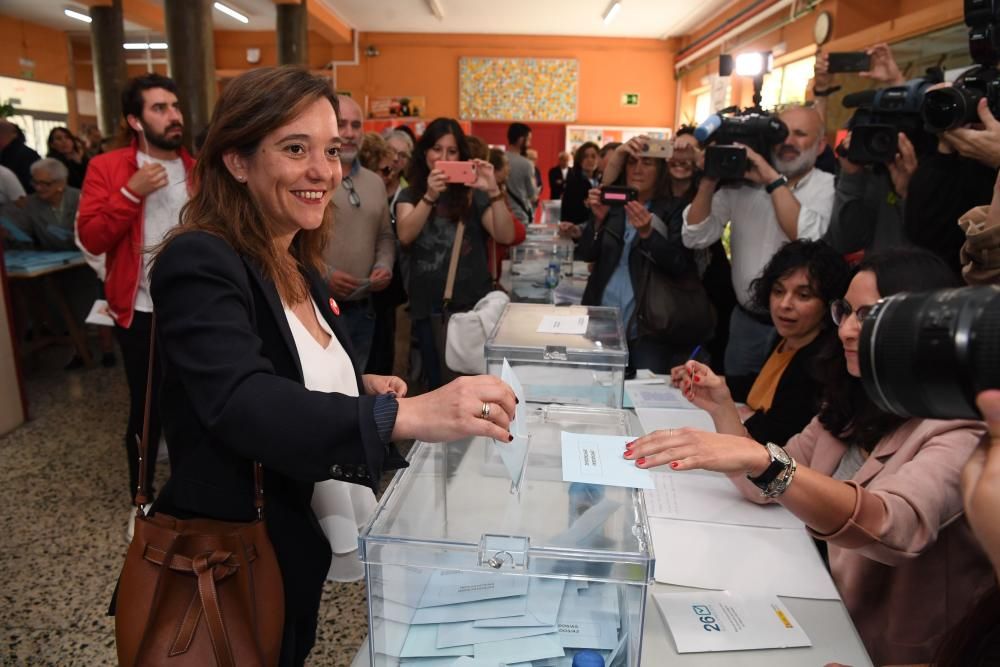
(131, 198)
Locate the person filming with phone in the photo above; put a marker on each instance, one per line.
(633, 231)
(447, 192)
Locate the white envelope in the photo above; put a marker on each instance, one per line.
(421, 642)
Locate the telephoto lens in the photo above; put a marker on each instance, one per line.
(948, 108)
(929, 354)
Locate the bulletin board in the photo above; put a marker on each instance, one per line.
(527, 89)
(600, 135)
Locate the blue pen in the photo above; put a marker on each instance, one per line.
(695, 352)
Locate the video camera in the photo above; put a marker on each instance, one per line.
(929, 354)
(751, 127)
(882, 114)
(948, 108)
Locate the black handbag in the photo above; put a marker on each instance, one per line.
(673, 310)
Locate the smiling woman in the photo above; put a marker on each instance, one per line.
(258, 366)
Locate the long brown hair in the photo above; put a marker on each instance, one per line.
(252, 106)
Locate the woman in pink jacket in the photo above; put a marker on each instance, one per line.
(883, 491)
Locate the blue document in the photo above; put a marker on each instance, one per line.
(460, 634)
(544, 597)
(598, 459)
(447, 588)
(525, 649)
(421, 642)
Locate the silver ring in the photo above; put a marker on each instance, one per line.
(485, 412)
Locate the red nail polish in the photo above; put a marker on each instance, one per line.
(640, 461)
(697, 379)
(673, 464)
(510, 438)
(629, 445)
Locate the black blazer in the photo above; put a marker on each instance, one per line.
(574, 197)
(664, 247)
(556, 182)
(233, 393)
(796, 399)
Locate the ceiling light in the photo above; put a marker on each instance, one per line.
(436, 9)
(611, 12)
(143, 46)
(229, 11)
(79, 16)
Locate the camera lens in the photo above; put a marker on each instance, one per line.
(948, 108)
(929, 354)
(883, 143)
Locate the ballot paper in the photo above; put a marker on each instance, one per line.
(722, 621)
(564, 324)
(597, 604)
(541, 609)
(655, 419)
(598, 459)
(711, 497)
(514, 453)
(421, 642)
(450, 587)
(645, 395)
(100, 314)
(748, 560)
(459, 634)
(472, 611)
(525, 649)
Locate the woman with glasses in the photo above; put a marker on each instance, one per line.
(429, 212)
(883, 491)
(72, 152)
(797, 287)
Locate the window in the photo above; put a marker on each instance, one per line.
(788, 84)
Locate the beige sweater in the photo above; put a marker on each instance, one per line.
(362, 236)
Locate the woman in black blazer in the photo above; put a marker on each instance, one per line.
(797, 287)
(580, 178)
(226, 283)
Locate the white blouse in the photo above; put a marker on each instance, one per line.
(342, 508)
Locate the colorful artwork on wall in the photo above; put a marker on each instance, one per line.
(529, 89)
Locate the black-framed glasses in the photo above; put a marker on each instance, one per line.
(840, 310)
(352, 194)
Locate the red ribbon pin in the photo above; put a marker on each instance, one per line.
(334, 307)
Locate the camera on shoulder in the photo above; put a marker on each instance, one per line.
(883, 114)
(752, 127)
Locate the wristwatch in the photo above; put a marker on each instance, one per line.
(771, 187)
(780, 462)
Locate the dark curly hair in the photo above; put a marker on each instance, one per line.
(828, 273)
(458, 197)
(847, 412)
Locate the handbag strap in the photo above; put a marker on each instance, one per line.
(449, 284)
(140, 496)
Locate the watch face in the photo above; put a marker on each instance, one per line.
(779, 453)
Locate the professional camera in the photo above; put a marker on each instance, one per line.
(929, 354)
(948, 108)
(882, 114)
(752, 127)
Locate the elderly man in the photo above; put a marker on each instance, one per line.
(15, 154)
(557, 176)
(781, 203)
(51, 210)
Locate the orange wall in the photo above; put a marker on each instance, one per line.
(45, 46)
(419, 64)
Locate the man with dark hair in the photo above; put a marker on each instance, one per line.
(131, 198)
(521, 190)
(15, 154)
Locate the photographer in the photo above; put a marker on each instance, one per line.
(868, 207)
(784, 202)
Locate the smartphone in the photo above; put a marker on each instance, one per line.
(458, 172)
(658, 148)
(618, 195)
(849, 61)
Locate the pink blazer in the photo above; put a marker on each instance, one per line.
(906, 562)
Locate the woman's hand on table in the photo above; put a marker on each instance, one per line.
(570, 230)
(383, 384)
(691, 449)
(456, 411)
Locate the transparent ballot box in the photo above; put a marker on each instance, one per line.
(537, 266)
(568, 368)
(460, 563)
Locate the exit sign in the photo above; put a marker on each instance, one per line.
(630, 99)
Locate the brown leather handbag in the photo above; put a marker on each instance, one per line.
(198, 592)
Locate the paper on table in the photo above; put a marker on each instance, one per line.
(564, 324)
(446, 587)
(525, 649)
(711, 497)
(721, 621)
(746, 560)
(99, 314)
(542, 608)
(597, 459)
(654, 419)
(657, 396)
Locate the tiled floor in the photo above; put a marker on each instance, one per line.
(63, 509)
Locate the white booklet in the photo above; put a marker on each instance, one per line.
(721, 621)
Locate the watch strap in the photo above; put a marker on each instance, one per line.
(774, 185)
(763, 480)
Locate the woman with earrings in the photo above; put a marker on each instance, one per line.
(429, 213)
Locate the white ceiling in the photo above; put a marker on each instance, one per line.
(637, 18)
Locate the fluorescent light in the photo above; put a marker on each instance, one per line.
(436, 9)
(229, 11)
(612, 12)
(752, 64)
(79, 16)
(143, 46)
